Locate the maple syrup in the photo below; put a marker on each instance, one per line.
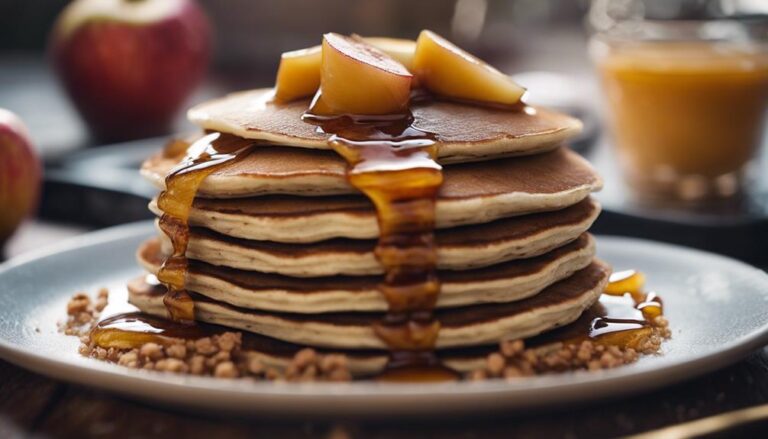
(625, 281)
(123, 326)
(135, 329)
(629, 311)
(392, 162)
(202, 157)
(621, 323)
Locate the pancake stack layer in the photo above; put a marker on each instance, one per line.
(281, 245)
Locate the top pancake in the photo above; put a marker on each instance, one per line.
(466, 132)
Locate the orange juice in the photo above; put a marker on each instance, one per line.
(685, 112)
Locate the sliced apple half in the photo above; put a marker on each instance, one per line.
(299, 74)
(444, 69)
(357, 78)
(400, 49)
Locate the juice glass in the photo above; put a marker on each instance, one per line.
(686, 104)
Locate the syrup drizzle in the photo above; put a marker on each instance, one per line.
(203, 157)
(393, 163)
(135, 329)
(616, 319)
(622, 323)
(629, 311)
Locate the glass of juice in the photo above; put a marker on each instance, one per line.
(686, 104)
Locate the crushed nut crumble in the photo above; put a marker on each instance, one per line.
(219, 355)
(513, 360)
(222, 356)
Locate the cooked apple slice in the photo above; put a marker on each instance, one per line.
(357, 78)
(299, 74)
(400, 49)
(444, 69)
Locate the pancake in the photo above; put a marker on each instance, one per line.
(459, 248)
(273, 353)
(557, 305)
(367, 364)
(292, 171)
(507, 282)
(471, 194)
(361, 363)
(466, 132)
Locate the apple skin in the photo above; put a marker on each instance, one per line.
(20, 174)
(129, 78)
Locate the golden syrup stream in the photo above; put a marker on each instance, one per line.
(622, 316)
(393, 163)
(203, 157)
(629, 311)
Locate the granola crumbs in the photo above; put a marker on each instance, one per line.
(513, 360)
(223, 356)
(83, 313)
(219, 355)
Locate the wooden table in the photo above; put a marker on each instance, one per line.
(31, 404)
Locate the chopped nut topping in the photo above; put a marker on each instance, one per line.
(82, 313)
(226, 369)
(222, 355)
(219, 355)
(513, 360)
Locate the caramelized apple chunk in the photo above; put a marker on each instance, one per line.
(445, 69)
(400, 50)
(299, 74)
(357, 78)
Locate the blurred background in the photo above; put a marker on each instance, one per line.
(250, 35)
(545, 43)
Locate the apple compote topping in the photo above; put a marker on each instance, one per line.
(434, 65)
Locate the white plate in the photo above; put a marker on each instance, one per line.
(717, 307)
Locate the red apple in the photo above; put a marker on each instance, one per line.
(129, 65)
(20, 174)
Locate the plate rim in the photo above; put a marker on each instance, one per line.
(346, 398)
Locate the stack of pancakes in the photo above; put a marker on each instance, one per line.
(281, 245)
